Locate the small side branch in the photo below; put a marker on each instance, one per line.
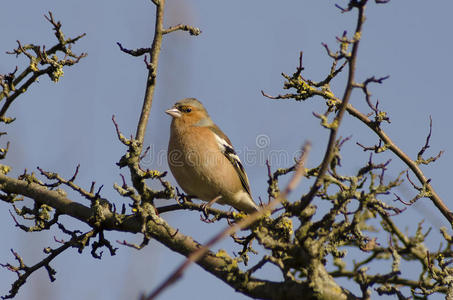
(420, 159)
(23, 271)
(135, 52)
(190, 29)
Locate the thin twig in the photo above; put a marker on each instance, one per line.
(190, 29)
(134, 52)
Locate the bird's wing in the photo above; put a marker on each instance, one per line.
(228, 150)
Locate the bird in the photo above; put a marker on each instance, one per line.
(202, 158)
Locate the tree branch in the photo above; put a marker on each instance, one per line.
(306, 200)
(152, 72)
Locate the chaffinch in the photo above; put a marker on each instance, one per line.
(203, 160)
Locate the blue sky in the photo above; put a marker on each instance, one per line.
(243, 48)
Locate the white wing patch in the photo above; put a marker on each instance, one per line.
(226, 148)
(231, 155)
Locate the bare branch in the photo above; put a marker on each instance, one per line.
(151, 82)
(306, 200)
(190, 29)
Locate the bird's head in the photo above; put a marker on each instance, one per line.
(191, 112)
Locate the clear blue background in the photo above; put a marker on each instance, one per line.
(244, 47)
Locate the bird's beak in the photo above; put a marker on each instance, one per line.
(174, 112)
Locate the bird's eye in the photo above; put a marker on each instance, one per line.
(186, 109)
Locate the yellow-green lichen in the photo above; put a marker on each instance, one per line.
(4, 169)
(57, 73)
(238, 215)
(221, 253)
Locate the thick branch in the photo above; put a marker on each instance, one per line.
(44, 196)
(159, 229)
